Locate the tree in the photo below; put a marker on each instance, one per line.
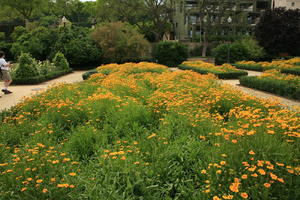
(213, 18)
(152, 17)
(278, 31)
(120, 42)
(25, 7)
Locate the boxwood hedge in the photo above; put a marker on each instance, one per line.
(278, 87)
(221, 75)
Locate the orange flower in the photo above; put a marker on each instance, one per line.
(262, 172)
(39, 181)
(203, 171)
(244, 195)
(216, 198)
(45, 190)
(244, 176)
(273, 176)
(23, 189)
(72, 174)
(267, 185)
(251, 152)
(63, 185)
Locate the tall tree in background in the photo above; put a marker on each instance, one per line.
(278, 31)
(152, 17)
(25, 8)
(214, 14)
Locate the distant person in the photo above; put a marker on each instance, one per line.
(5, 69)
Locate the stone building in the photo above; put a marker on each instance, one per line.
(192, 19)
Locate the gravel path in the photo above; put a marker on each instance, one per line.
(290, 103)
(21, 91)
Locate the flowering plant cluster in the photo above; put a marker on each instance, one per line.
(139, 131)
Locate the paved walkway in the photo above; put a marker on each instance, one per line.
(20, 91)
(257, 93)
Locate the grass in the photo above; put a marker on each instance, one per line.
(138, 131)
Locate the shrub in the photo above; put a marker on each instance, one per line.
(230, 53)
(77, 46)
(170, 53)
(295, 71)
(60, 61)
(27, 67)
(279, 84)
(255, 51)
(87, 74)
(120, 42)
(37, 42)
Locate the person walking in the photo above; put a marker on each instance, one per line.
(5, 69)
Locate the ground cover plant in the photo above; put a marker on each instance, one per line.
(275, 82)
(290, 66)
(225, 71)
(138, 131)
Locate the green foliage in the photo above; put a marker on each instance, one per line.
(37, 42)
(120, 42)
(230, 53)
(249, 67)
(77, 47)
(278, 31)
(294, 71)
(255, 51)
(220, 75)
(43, 43)
(60, 61)
(27, 67)
(86, 75)
(18, 32)
(170, 53)
(279, 87)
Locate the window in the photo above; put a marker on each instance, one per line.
(293, 4)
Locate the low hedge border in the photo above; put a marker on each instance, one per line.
(220, 75)
(294, 71)
(278, 87)
(40, 79)
(258, 68)
(87, 74)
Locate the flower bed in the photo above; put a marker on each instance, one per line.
(138, 131)
(286, 66)
(224, 71)
(275, 82)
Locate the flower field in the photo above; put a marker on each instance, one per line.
(225, 71)
(275, 82)
(138, 131)
(291, 66)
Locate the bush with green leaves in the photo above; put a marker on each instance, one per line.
(43, 43)
(60, 61)
(245, 48)
(27, 66)
(170, 53)
(120, 42)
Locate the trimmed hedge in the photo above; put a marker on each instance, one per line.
(220, 75)
(294, 71)
(40, 79)
(278, 87)
(249, 67)
(87, 74)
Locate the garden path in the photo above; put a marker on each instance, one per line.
(21, 91)
(257, 93)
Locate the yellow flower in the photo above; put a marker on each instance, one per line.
(53, 179)
(203, 171)
(72, 174)
(151, 136)
(136, 163)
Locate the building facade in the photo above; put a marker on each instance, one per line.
(193, 19)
